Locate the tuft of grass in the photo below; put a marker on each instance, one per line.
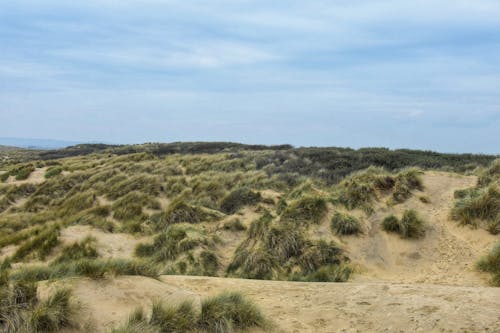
(86, 249)
(228, 312)
(345, 224)
(306, 209)
(255, 264)
(54, 313)
(93, 268)
(409, 226)
(42, 244)
(179, 211)
(209, 263)
(223, 313)
(234, 225)
(238, 198)
(53, 172)
(316, 255)
(259, 228)
(181, 318)
(284, 242)
(406, 181)
(478, 204)
(424, 199)
(491, 264)
(328, 273)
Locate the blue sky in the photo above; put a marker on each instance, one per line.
(417, 74)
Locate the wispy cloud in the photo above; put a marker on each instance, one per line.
(234, 65)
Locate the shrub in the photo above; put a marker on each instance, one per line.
(306, 209)
(491, 264)
(344, 224)
(410, 225)
(238, 198)
(228, 312)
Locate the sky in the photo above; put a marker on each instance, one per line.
(422, 74)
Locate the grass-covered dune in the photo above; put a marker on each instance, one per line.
(224, 210)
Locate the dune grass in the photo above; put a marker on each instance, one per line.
(22, 312)
(304, 210)
(345, 224)
(409, 226)
(238, 198)
(491, 264)
(223, 313)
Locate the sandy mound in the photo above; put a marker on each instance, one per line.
(108, 303)
(361, 307)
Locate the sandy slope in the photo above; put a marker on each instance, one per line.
(362, 307)
(447, 253)
(301, 307)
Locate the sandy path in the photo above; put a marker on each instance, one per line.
(361, 307)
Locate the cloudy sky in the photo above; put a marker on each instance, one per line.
(417, 74)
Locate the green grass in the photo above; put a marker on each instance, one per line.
(409, 226)
(228, 312)
(53, 172)
(41, 244)
(22, 312)
(223, 313)
(305, 210)
(491, 264)
(476, 205)
(86, 249)
(345, 224)
(54, 313)
(93, 268)
(239, 198)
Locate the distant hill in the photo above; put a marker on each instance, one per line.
(36, 143)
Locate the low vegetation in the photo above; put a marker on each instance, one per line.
(491, 264)
(480, 206)
(226, 312)
(409, 226)
(345, 224)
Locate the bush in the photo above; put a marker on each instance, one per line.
(306, 209)
(410, 225)
(491, 264)
(344, 224)
(238, 198)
